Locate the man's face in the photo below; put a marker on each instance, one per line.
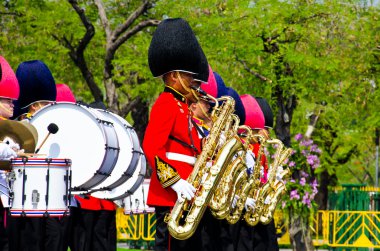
(188, 82)
(38, 105)
(201, 109)
(6, 107)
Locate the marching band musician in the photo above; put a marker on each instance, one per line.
(171, 142)
(37, 89)
(254, 118)
(264, 235)
(9, 91)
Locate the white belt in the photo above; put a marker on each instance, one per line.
(181, 157)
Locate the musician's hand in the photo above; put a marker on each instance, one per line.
(279, 171)
(234, 201)
(250, 161)
(9, 141)
(183, 189)
(222, 140)
(250, 204)
(6, 152)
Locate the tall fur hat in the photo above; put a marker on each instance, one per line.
(174, 47)
(64, 94)
(239, 107)
(267, 111)
(9, 87)
(254, 117)
(36, 83)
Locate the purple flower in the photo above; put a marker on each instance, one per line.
(304, 174)
(292, 164)
(292, 180)
(294, 195)
(298, 137)
(283, 204)
(306, 142)
(302, 181)
(305, 153)
(312, 160)
(314, 183)
(306, 200)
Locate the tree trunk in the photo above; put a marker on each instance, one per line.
(300, 237)
(140, 116)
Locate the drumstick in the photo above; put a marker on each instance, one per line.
(30, 154)
(53, 129)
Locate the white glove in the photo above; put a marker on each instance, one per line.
(235, 200)
(262, 171)
(183, 189)
(250, 161)
(11, 143)
(6, 151)
(250, 204)
(222, 140)
(279, 173)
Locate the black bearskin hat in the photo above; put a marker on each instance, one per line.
(174, 47)
(267, 111)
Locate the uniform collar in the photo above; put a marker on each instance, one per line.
(200, 122)
(175, 93)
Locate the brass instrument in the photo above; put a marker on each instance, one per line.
(232, 178)
(273, 198)
(247, 184)
(252, 216)
(186, 214)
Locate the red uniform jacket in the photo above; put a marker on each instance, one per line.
(255, 149)
(170, 143)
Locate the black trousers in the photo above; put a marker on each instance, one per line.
(4, 241)
(210, 235)
(38, 234)
(216, 234)
(258, 238)
(92, 230)
(26, 234)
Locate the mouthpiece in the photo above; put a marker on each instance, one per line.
(52, 128)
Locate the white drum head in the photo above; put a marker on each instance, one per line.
(128, 143)
(81, 136)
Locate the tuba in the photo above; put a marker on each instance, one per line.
(232, 178)
(186, 214)
(273, 198)
(252, 216)
(246, 184)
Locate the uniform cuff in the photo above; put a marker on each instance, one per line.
(166, 174)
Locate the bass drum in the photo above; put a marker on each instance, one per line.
(129, 156)
(129, 186)
(85, 136)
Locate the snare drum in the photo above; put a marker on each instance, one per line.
(85, 136)
(39, 187)
(136, 203)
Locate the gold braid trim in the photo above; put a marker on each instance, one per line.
(167, 175)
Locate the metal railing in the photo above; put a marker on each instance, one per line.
(352, 229)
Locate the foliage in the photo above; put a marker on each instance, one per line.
(303, 186)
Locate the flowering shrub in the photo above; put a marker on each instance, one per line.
(303, 185)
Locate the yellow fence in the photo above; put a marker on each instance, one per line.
(330, 228)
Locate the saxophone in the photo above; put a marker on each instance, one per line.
(274, 197)
(232, 178)
(186, 214)
(252, 216)
(247, 184)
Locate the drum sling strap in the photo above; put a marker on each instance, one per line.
(191, 137)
